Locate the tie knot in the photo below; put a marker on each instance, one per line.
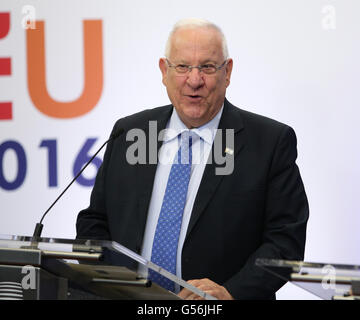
(186, 139)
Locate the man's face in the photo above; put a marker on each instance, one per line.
(197, 97)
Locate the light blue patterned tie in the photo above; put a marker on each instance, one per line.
(164, 250)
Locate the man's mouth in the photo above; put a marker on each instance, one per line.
(194, 97)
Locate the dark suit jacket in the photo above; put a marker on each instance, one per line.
(259, 211)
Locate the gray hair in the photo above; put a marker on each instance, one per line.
(194, 23)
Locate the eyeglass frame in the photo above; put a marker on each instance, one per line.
(200, 67)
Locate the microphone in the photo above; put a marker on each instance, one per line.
(39, 226)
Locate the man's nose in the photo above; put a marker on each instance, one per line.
(195, 78)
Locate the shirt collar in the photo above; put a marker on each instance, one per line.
(206, 132)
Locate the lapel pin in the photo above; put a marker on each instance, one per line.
(229, 151)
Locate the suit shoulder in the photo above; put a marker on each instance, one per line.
(269, 131)
(261, 128)
(260, 121)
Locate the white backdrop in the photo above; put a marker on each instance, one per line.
(296, 61)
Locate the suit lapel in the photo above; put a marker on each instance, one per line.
(230, 119)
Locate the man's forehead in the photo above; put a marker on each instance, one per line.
(202, 41)
(196, 36)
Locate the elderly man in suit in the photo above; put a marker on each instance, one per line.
(205, 227)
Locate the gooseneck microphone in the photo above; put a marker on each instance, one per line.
(39, 226)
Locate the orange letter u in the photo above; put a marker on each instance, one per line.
(93, 72)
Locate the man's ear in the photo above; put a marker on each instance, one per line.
(163, 68)
(228, 70)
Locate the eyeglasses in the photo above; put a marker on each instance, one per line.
(207, 68)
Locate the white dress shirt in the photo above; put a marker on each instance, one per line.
(202, 140)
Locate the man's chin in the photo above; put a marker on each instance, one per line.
(194, 109)
(193, 120)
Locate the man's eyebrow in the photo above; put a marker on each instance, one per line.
(209, 62)
(180, 62)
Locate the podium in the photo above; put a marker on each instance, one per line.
(327, 281)
(60, 269)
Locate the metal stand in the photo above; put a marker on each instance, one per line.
(327, 281)
(45, 268)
